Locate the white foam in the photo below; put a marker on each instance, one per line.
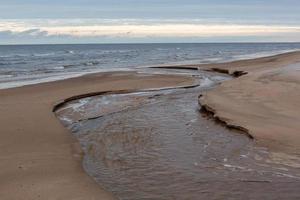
(206, 82)
(5, 76)
(262, 54)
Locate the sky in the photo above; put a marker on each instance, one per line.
(143, 21)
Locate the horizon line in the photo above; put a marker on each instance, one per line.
(140, 43)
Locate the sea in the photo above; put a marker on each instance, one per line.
(30, 64)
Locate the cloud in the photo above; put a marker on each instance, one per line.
(131, 28)
(169, 30)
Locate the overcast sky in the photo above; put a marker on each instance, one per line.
(105, 21)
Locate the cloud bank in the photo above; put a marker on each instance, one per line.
(80, 29)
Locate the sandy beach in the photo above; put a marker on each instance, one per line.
(41, 159)
(264, 102)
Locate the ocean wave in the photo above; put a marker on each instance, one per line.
(91, 63)
(5, 76)
(262, 54)
(59, 67)
(116, 51)
(14, 56)
(34, 61)
(217, 53)
(88, 63)
(13, 63)
(162, 49)
(70, 52)
(43, 54)
(69, 66)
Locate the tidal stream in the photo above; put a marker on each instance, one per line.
(157, 145)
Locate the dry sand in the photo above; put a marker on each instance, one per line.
(39, 158)
(265, 102)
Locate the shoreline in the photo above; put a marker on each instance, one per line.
(40, 158)
(192, 63)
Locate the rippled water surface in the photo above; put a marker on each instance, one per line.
(157, 145)
(29, 64)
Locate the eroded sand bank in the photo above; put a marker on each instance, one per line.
(39, 157)
(264, 102)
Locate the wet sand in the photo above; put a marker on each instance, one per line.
(134, 142)
(39, 157)
(264, 102)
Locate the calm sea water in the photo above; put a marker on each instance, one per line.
(29, 64)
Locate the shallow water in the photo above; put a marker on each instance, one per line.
(157, 145)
